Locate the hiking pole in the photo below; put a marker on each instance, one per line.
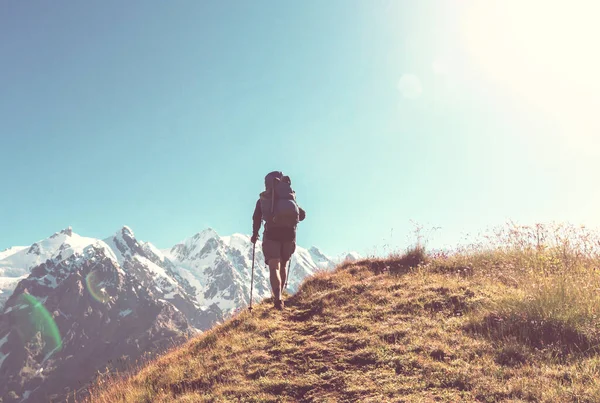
(252, 278)
(287, 277)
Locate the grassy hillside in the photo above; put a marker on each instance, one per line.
(515, 319)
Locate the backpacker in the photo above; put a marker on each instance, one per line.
(278, 201)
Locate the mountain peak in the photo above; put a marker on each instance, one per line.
(352, 256)
(67, 231)
(126, 236)
(205, 234)
(127, 231)
(316, 253)
(123, 243)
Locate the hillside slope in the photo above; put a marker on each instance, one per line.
(385, 330)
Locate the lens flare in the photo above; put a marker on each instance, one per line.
(36, 325)
(96, 282)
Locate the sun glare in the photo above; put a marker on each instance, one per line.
(546, 54)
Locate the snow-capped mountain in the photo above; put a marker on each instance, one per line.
(73, 317)
(89, 304)
(203, 270)
(220, 268)
(17, 262)
(151, 269)
(349, 257)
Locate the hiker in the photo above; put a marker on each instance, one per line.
(278, 208)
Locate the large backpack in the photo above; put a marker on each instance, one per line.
(278, 201)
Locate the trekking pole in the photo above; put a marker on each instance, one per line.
(288, 274)
(252, 278)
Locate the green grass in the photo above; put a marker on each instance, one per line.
(514, 320)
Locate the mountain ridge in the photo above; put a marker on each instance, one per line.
(16, 262)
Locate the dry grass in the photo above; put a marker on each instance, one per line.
(494, 323)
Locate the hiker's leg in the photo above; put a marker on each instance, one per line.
(272, 251)
(275, 278)
(287, 250)
(283, 274)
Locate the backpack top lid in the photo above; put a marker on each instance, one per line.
(271, 178)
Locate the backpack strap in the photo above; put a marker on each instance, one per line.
(273, 197)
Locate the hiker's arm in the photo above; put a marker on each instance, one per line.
(256, 219)
(302, 214)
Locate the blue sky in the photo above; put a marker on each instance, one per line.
(165, 116)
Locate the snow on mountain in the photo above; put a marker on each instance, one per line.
(321, 261)
(151, 268)
(10, 251)
(16, 265)
(349, 257)
(142, 259)
(127, 248)
(220, 268)
(64, 243)
(204, 261)
(236, 241)
(203, 270)
(353, 256)
(7, 285)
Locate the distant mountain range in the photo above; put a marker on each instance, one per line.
(71, 306)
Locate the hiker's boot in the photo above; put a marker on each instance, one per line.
(279, 304)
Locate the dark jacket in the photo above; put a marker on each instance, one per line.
(272, 232)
